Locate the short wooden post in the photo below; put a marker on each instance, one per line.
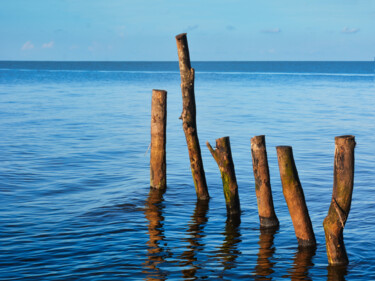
(294, 197)
(188, 117)
(338, 212)
(263, 191)
(223, 157)
(158, 175)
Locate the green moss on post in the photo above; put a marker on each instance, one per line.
(223, 157)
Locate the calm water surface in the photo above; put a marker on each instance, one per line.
(75, 202)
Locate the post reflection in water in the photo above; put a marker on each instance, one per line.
(336, 273)
(155, 252)
(263, 268)
(229, 249)
(196, 233)
(302, 262)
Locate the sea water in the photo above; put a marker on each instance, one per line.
(74, 170)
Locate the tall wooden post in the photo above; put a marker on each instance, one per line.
(158, 169)
(223, 157)
(188, 117)
(338, 212)
(263, 191)
(294, 197)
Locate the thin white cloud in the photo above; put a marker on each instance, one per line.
(48, 45)
(95, 46)
(350, 30)
(272, 30)
(191, 28)
(27, 46)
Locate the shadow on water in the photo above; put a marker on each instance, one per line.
(302, 262)
(196, 233)
(156, 253)
(263, 268)
(336, 273)
(229, 249)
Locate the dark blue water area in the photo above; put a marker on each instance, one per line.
(75, 202)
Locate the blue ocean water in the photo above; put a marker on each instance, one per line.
(75, 202)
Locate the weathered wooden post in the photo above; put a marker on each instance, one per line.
(294, 197)
(188, 117)
(267, 216)
(223, 157)
(338, 212)
(158, 174)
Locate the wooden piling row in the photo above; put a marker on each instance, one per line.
(336, 218)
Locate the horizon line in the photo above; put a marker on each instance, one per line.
(176, 61)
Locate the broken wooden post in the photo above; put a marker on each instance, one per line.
(188, 117)
(294, 197)
(223, 157)
(158, 176)
(338, 212)
(267, 216)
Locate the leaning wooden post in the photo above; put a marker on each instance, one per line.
(158, 176)
(263, 191)
(188, 117)
(338, 212)
(223, 157)
(294, 197)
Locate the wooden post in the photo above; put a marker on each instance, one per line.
(263, 191)
(338, 212)
(223, 157)
(188, 117)
(158, 176)
(294, 197)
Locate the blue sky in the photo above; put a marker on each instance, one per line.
(124, 30)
